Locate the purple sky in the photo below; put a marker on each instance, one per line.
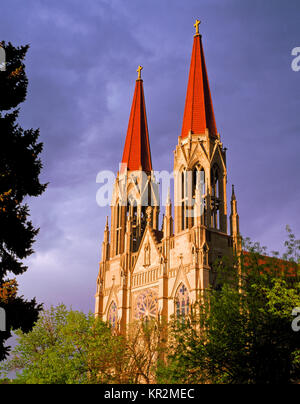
(82, 69)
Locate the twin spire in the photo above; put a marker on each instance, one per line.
(137, 154)
(198, 113)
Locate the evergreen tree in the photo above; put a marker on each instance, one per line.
(20, 167)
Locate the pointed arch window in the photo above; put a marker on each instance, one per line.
(132, 207)
(189, 181)
(215, 196)
(198, 180)
(215, 181)
(184, 200)
(113, 315)
(182, 301)
(195, 181)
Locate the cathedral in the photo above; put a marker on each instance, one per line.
(148, 270)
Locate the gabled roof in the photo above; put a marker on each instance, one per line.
(271, 264)
(153, 237)
(137, 155)
(198, 112)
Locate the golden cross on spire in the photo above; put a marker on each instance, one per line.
(139, 69)
(196, 25)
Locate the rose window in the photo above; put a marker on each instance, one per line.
(146, 305)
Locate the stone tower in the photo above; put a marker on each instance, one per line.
(147, 272)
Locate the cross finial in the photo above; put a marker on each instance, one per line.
(196, 25)
(139, 69)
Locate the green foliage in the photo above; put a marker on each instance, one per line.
(6, 381)
(20, 168)
(68, 347)
(240, 331)
(292, 245)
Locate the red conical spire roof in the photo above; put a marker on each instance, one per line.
(137, 155)
(198, 112)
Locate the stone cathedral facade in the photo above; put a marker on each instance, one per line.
(148, 270)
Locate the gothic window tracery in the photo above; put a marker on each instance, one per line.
(182, 301)
(146, 305)
(113, 315)
(215, 181)
(215, 189)
(198, 181)
(184, 200)
(132, 211)
(195, 181)
(189, 181)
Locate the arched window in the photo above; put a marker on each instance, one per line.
(198, 181)
(204, 252)
(215, 190)
(182, 301)
(184, 200)
(132, 207)
(146, 305)
(113, 315)
(189, 181)
(132, 211)
(195, 179)
(215, 181)
(202, 182)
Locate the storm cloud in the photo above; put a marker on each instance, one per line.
(81, 67)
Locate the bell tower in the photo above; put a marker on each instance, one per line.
(135, 203)
(135, 188)
(200, 168)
